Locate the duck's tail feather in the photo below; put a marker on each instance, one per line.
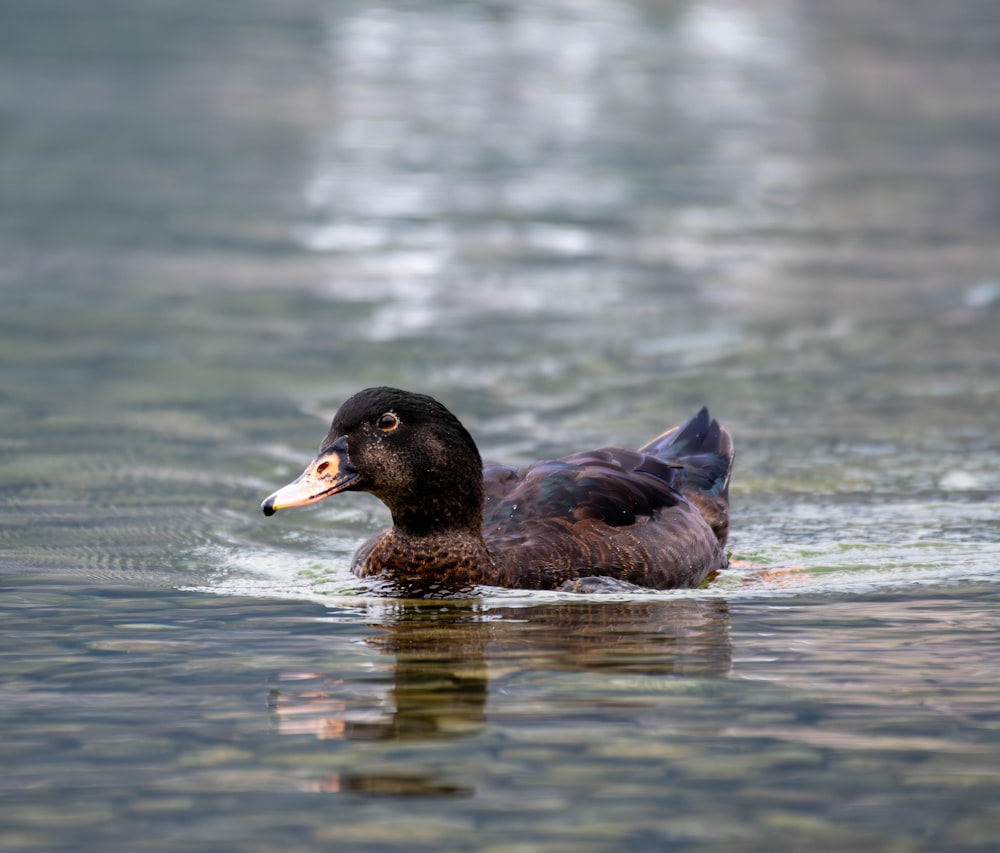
(705, 451)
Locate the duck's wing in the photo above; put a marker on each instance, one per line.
(611, 485)
(604, 512)
(704, 450)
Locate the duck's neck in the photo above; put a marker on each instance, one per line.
(437, 526)
(432, 518)
(439, 538)
(449, 502)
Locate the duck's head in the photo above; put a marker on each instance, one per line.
(406, 449)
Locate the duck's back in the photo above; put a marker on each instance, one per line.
(655, 517)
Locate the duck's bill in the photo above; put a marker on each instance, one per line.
(327, 474)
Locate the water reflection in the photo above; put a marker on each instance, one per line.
(554, 161)
(438, 682)
(445, 655)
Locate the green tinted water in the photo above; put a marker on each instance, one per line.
(575, 225)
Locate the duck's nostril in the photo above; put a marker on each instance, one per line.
(322, 467)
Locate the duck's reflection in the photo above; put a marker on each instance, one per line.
(438, 681)
(444, 653)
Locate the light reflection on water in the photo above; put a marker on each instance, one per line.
(423, 211)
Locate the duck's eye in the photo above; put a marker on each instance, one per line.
(388, 422)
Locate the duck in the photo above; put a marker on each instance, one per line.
(656, 517)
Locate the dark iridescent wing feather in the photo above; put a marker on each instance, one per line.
(705, 451)
(702, 448)
(656, 517)
(610, 485)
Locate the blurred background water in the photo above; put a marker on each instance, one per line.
(574, 223)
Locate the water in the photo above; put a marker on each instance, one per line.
(575, 224)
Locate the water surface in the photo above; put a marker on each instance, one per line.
(575, 224)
